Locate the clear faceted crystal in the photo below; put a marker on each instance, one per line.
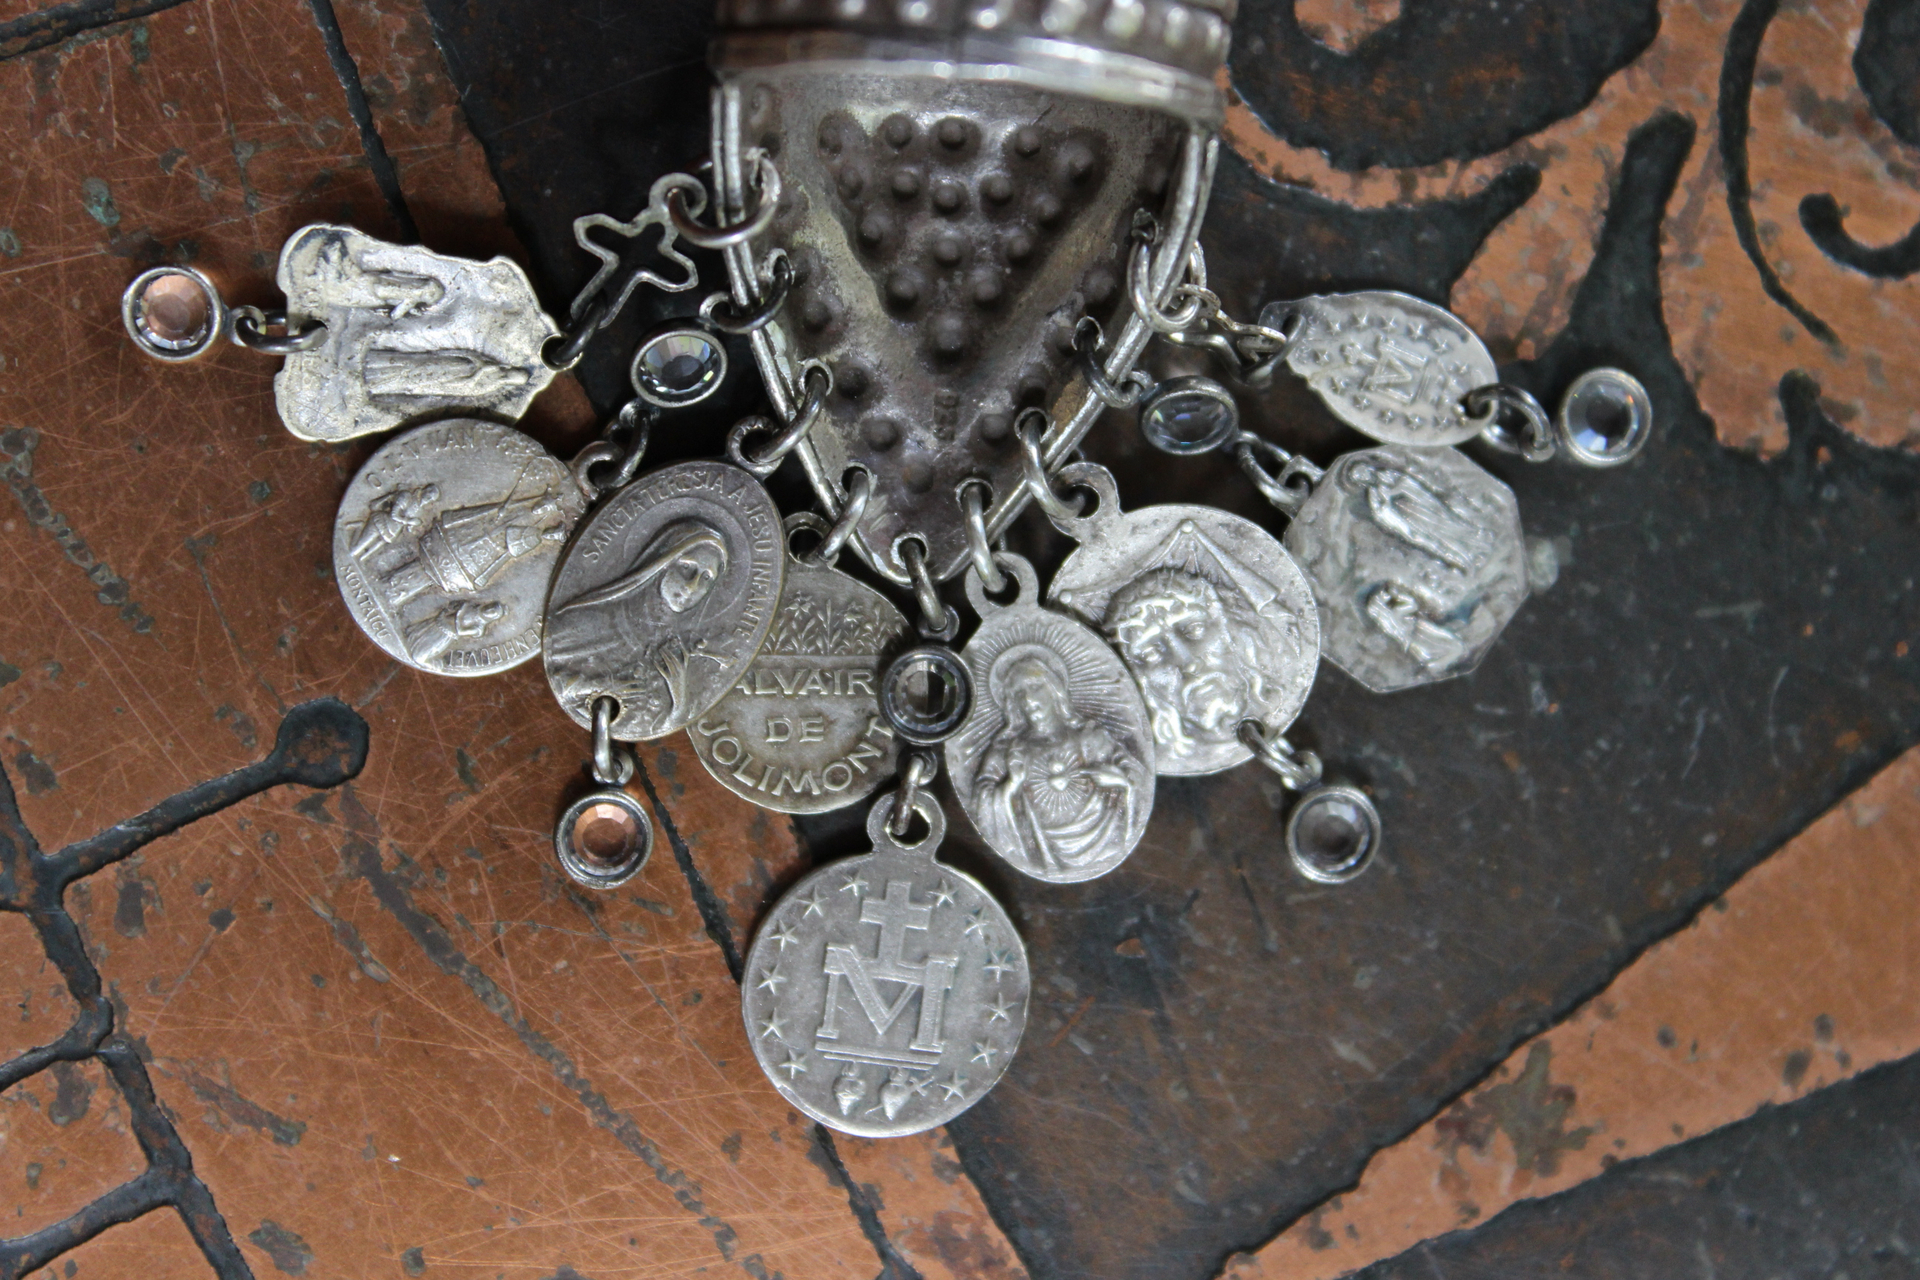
(679, 367)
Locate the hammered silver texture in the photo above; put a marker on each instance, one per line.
(446, 540)
(1388, 365)
(1055, 763)
(411, 335)
(1212, 616)
(664, 596)
(1417, 559)
(886, 993)
(801, 731)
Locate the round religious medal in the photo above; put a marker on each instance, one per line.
(1417, 560)
(885, 994)
(1055, 762)
(664, 596)
(1212, 616)
(801, 731)
(445, 543)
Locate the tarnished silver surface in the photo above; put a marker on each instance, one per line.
(411, 335)
(1214, 619)
(664, 597)
(446, 540)
(1418, 562)
(1055, 764)
(1387, 364)
(886, 993)
(801, 731)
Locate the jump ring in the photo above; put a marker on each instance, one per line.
(1139, 270)
(768, 460)
(1298, 769)
(250, 325)
(717, 308)
(1035, 471)
(938, 621)
(740, 232)
(859, 490)
(1088, 351)
(973, 508)
(920, 772)
(612, 765)
(1487, 404)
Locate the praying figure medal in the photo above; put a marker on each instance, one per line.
(445, 542)
(1388, 364)
(885, 994)
(664, 596)
(1418, 562)
(1055, 762)
(801, 731)
(1213, 617)
(410, 335)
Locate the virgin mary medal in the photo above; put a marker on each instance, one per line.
(801, 731)
(886, 993)
(1417, 561)
(663, 597)
(1212, 616)
(1055, 762)
(446, 540)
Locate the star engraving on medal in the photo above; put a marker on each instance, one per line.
(812, 903)
(977, 923)
(955, 1085)
(1000, 1008)
(770, 979)
(772, 1027)
(855, 884)
(794, 1066)
(999, 963)
(943, 894)
(784, 934)
(984, 1052)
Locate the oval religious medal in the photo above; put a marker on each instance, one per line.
(1055, 762)
(1388, 364)
(664, 596)
(1212, 616)
(885, 994)
(446, 540)
(1417, 560)
(801, 731)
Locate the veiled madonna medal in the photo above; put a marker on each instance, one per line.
(801, 730)
(1055, 763)
(445, 542)
(1417, 560)
(664, 596)
(1212, 616)
(885, 994)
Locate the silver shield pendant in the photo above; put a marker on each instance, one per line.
(1055, 763)
(446, 540)
(886, 993)
(411, 334)
(1388, 365)
(664, 596)
(801, 731)
(1212, 616)
(1418, 562)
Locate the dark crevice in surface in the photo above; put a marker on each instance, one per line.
(860, 1199)
(713, 913)
(1826, 1185)
(320, 744)
(1740, 61)
(63, 21)
(379, 163)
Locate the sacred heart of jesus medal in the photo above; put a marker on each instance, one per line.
(885, 994)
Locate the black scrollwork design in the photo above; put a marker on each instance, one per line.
(320, 744)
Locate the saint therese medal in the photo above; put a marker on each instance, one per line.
(886, 993)
(664, 597)
(801, 730)
(1212, 616)
(445, 543)
(1055, 762)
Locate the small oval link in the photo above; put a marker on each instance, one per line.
(1297, 768)
(1486, 405)
(920, 772)
(717, 308)
(974, 508)
(1139, 275)
(1034, 469)
(859, 491)
(768, 460)
(766, 203)
(913, 553)
(250, 325)
(1286, 488)
(612, 763)
(1087, 349)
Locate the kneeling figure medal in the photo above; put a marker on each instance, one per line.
(886, 993)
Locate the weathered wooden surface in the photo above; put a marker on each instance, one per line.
(396, 1043)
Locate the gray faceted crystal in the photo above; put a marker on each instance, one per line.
(1418, 562)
